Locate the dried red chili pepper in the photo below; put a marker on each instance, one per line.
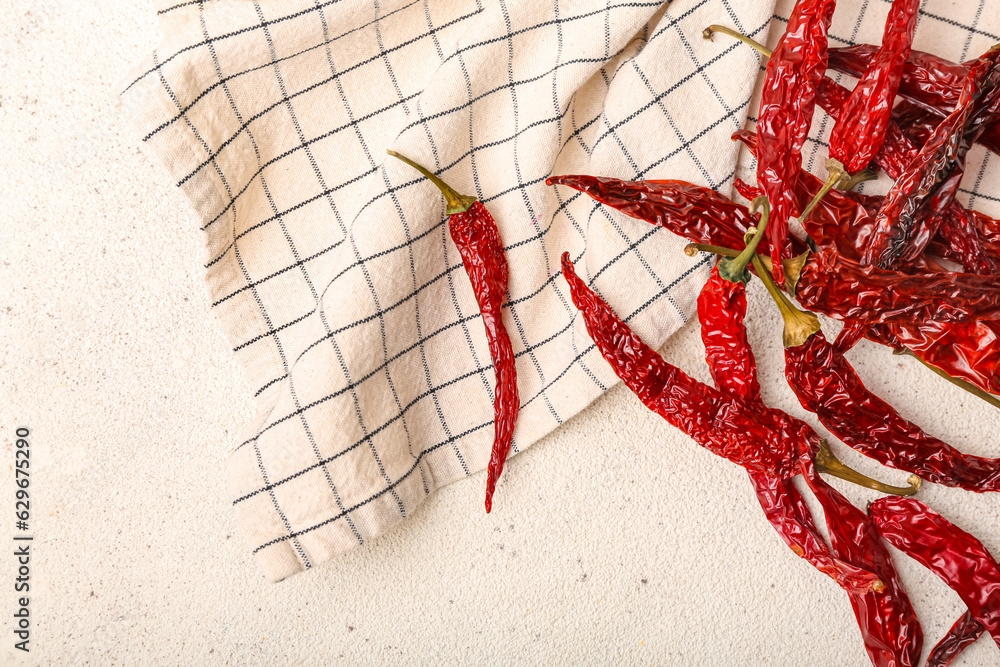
(954, 555)
(765, 441)
(690, 211)
(962, 634)
(826, 384)
(895, 154)
(749, 435)
(476, 235)
(968, 351)
(722, 307)
(912, 209)
(860, 129)
(889, 626)
(794, 70)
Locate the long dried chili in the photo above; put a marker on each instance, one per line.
(722, 307)
(889, 626)
(693, 212)
(794, 70)
(478, 241)
(860, 129)
(951, 553)
(767, 442)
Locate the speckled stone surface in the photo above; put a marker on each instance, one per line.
(111, 357)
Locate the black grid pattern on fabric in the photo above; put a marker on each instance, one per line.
(248, 207)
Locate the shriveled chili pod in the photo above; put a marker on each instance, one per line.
(954, 555)
(722, 307)
(912, 208)
(889, 626)
(932, 79)
(962, 634)
(693, 212)
(478, 241)
(794, 70)
(767, 442)
(860, 128)
(827, 385)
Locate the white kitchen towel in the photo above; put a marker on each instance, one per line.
(330, 267)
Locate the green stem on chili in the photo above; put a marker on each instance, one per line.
(457, 203)
(837, 175)
(860, 177)
(799, 325)
(735, 270)
(831, 465)
(710, 30)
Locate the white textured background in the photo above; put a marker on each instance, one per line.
(110, 355)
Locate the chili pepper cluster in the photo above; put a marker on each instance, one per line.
(884, 266)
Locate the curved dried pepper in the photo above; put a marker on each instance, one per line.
(962, 634)
(722, 307)
(929, 82)
(794, 70)
(771, 445)
(693, 212)
(860, 129)
(827, 385)
(954, 555)
(930, 79)
(478, 241)
(749, 435)
(968, 351)
(889, 626)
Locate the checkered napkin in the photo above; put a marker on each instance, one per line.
(331, 270)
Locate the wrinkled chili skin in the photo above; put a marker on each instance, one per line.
(478, 240)
(751, 435)
(861, 127)
(794, 70)
(929, 82)
(954, 555)
(698, 214)
(722, 307)
(911, 213)
(973, 238)
(968, 351)
(846, 290)
(827, 385)
(889, 626)
(927, 79)
(962, 634)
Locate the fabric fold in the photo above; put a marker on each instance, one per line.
(331, 270)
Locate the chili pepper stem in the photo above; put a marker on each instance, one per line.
(456, 203)
(860, 177)
(837, 174)
(831, 465)
(962, 384)
(793, 266)
(712, 29)
(799, 325)
(735, 270)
